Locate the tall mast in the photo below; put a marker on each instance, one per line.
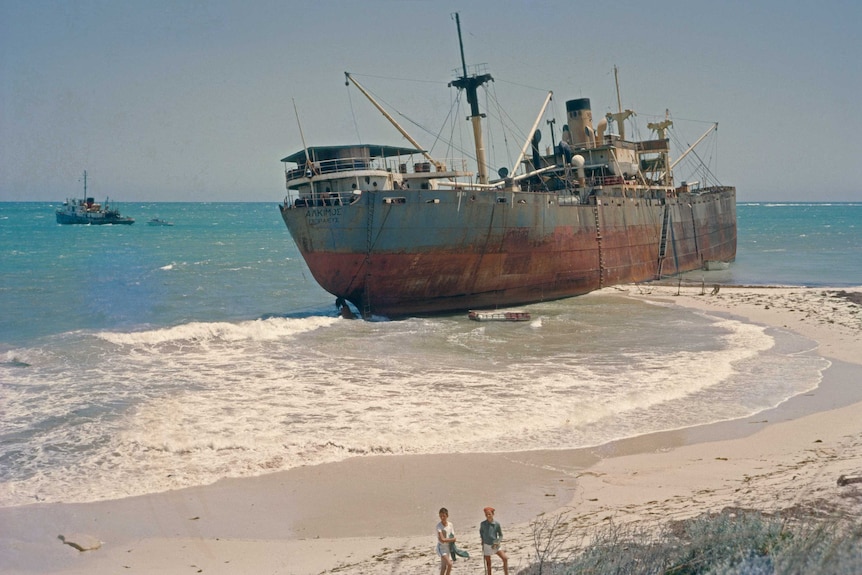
(621, 116)
(470, 84)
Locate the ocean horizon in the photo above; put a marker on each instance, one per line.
(137, 359)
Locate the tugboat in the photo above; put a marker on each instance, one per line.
(86, 211)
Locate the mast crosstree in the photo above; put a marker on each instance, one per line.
(470, 84)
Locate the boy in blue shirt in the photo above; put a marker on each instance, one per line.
(492, 535)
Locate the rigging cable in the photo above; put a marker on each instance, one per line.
(489, 135)
(437, 136)
(454, 108)
(500, 112)
(708, 176)
(353, 113)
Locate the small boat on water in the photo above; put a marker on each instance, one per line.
(86, 211)
(499, 315)
(159, 222)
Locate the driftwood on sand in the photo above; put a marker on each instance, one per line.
(80, 541)
(848, 479)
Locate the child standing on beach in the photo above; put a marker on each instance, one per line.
(492, 535)
(445, 538)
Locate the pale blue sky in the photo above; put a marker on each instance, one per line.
(193, 101)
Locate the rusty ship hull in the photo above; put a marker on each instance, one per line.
(398, 253)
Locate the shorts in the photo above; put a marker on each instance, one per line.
(488, 550)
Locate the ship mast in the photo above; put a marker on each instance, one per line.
(660, 128)
(470, 84)
(621, 116)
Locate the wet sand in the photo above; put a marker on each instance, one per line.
(373, 515)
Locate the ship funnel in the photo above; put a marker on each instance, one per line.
(580, 122)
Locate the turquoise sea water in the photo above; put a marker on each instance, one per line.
(137, 358)
(798, 244)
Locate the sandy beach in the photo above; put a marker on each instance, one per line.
(376, 515)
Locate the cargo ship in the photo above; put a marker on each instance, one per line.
(398, 233)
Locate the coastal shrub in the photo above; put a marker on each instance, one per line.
(727, 541)
(822, 548)
(613, 550)
(733, 542)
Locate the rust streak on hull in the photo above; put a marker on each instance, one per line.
(488, 259)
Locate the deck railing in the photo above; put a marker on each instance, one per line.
(317, 168)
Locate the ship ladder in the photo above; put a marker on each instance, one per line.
(662, 246)
(694, 231)
(369, 242)
(599, 244)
